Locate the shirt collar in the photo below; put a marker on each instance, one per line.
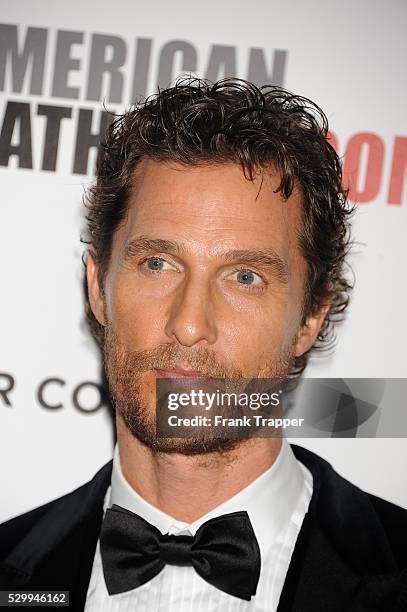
(271, 500)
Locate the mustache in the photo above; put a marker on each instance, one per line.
(169, 356)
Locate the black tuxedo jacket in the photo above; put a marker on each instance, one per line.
(350, 555)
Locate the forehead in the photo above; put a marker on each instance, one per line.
(211, 208)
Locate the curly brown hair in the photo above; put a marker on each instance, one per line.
(233, 121)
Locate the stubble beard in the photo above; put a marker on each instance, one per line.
(134, 402)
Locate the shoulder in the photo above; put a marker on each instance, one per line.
(357, 523)
(15, 529)
(69, 507)
(393, 520)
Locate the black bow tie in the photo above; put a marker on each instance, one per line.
(224, 552)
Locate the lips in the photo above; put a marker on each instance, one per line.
(178, 373)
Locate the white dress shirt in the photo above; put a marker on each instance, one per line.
(276, 503)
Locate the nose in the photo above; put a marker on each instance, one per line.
(191, 315)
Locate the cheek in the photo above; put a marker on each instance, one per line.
(136, 318)
(253, 334)
(292, 324)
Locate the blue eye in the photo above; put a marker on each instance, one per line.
(154, 263)
(246, 277)
(157, 264)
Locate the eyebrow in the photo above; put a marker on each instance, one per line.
(267, 258)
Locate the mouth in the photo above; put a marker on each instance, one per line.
(179, 373)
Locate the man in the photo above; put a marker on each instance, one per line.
(218, 230)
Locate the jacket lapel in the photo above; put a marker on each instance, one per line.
(58, 554)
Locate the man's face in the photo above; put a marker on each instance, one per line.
(205, 277)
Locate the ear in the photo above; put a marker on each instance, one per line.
(310, 329)
(94, 290)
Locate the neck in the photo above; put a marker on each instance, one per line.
(188, 487)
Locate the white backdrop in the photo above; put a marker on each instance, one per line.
(348, 56)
